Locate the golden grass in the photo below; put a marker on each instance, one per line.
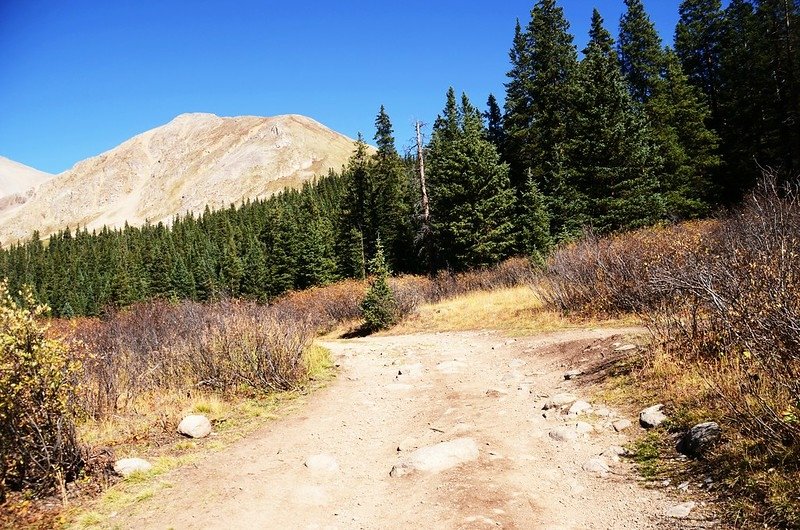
(513, 310)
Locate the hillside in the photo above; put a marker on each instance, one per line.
(196, 160)
(17, 183)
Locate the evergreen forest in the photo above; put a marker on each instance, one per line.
(626, 133)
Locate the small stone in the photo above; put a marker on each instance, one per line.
(563, 434)
(408, 444)
(579, 407)
(573, 374)
(652, 417)
(602, 412)
(597, 466)
(495, 392)
(699, 439)
(621, 425)
(625, 347)
(683, 486)
(195, 426)
(583, 428)
(681, 511)
(128, 466)
(322, 463)
(559, 400)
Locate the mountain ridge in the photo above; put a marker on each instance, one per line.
(193, 161)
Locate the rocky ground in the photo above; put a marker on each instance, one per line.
(444, 430)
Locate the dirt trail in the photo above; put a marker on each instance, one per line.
(413, 391)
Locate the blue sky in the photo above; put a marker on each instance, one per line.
(78, 77)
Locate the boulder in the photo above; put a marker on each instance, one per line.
(563, 434)
(699, 439)
(596, 466)
(584, 428)
(195, 426)
(438, 457)
(322, 463)
(621, 425)
(579, 407)
(559, 400)
(652, 417)
(128, 466)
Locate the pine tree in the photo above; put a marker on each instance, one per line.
(183, 285)
(533, 223)
(640, 51)
(538, 103)
(357, 212)
(698, 44)
(391, 211)
(379, 309)
(686, 146)
(471, 198)
(611, 147)
(494, 124)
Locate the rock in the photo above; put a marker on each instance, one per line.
(579, 407)
(407, 444)
(195, 426)
(451, 367)
(583, 428)
(559, 400)
(596, 466)
(128, 466)
(602, 412)
(409, 371)
(681, 511)
(438, 457)
(572, 374)
(563, 434)
(625, 347)
(652, 417)
(496, 392)
(621, 425)
(322, 463)
(614, 452)
(699, 439)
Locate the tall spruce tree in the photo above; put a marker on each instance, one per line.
(357, 214)
(640, 51)
(494, 124)
(392, 206)
(688, 149)
(698, 44)
(471, 199)
(611, 149)
(538, 101)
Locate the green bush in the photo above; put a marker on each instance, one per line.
(379, 308)
(38, 381)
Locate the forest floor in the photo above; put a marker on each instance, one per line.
(328, 463)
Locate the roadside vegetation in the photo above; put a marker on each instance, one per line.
(720, 299)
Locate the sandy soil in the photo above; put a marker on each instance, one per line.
(392, 395)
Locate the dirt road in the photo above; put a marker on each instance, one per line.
(399, 393)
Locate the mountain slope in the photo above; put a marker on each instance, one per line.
(16, 178)
(196, 160)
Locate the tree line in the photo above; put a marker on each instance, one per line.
(626, 134)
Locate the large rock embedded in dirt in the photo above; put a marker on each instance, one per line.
(322, 463)
(438, 457)
(560, 400)
(699, 439)
(195, 426)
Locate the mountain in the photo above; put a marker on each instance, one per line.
(194, 161)
(17, 184)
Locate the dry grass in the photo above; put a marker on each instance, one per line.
(513, 310)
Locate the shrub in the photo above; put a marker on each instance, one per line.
(378, 308)
(38, 378)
